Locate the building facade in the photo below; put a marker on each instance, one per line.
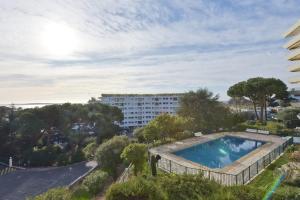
(139, 109)
(294, 46)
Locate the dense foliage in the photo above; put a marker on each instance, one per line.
(135, 189)
(164, 126)
(55, 194)
(108, 153)
(32, 136)
(179, 187)
(137, 155)
(95, 181)
(205, 111)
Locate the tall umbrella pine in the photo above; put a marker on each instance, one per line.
(259, 91)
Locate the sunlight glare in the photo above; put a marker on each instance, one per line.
(59, 39)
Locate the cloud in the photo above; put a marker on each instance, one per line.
(140, 46)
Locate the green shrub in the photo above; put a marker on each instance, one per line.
(108, 153)
(192, 187)
(81, 193)
(136, 188)
(89, 150)
(137, 155)
(95, 181)
(246, 193)
(55, 194)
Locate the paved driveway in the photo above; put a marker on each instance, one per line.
(29, 182)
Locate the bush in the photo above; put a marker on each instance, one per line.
(108, 153)
(55, 194)
(89, 150)
(95, 181)
(246, 193)
(139, 134)
(137, 155)
(192, 187)
(136, 188)
(81, 193)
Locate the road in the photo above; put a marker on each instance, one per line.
(29, 182)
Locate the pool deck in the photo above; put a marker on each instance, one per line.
(272, 142)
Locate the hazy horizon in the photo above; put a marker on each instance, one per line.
(70, 51)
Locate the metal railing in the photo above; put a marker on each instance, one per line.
(125, 175)
(241, 178)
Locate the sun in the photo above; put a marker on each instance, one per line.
(59, 39)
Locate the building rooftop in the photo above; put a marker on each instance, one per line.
(293, 30)
(158, 94)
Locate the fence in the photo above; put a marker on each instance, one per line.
(125, 175)
(224, 178)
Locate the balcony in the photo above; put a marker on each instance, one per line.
(295, 55)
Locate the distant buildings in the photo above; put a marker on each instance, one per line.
(139, 109)
(294, 46)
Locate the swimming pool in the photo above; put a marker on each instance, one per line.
(220, 152)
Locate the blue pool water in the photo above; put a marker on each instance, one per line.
(220, 152)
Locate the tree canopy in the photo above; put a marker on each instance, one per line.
(164, 126)
(24, 133)
(137, 155)
(259, 91)
(204, 110)
(109, 152)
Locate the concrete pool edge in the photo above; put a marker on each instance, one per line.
(261, 156)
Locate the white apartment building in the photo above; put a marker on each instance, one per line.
(139, 109)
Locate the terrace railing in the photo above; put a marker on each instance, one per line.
(241, 178)
(125, 175)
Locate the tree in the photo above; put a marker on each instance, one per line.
(260, 91)
(108, 153)
(204, 110)
(236, 92)
(136, 154)
(164, 126)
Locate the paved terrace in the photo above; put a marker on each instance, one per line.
(236, 167)
(30, 182)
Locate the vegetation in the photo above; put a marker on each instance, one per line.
(95, 182)
(90, 187)
(135, 189)
(289, 117)
(44, 136)
(266, 179)
(260, 92)
(205, 112)
(178, 187)
(55, 194)
(273, 127)
(137, 155)
(108, 153)
(164, 126)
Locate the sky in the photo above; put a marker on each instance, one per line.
(71, 50)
